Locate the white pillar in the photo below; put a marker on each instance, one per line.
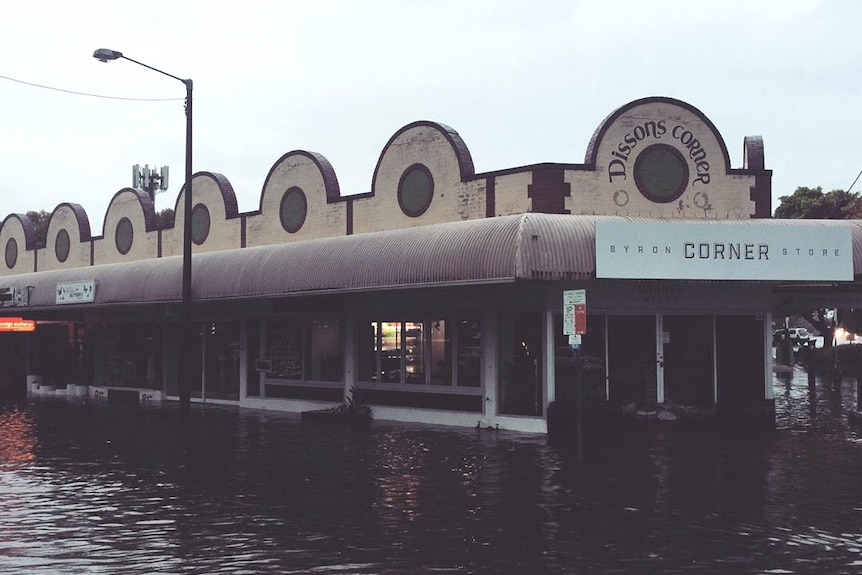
(350, 360)
(714, 360)
(769, 392)
(490, 361)
(548, 346)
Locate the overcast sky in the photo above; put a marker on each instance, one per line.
(521, 81)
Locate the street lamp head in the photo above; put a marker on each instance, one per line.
(104, 54)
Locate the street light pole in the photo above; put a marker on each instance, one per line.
(184, 375)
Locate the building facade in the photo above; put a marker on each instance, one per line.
(437, 296)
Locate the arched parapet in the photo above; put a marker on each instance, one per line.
(660, 157)
(754, 162)
(753, 156)
(130, 229)
(300, 200)
(18, 242)
(420, 178)
(68, 242)
(215, 217)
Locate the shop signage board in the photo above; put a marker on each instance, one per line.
(8, 324)
(76, 292)
(722, 251)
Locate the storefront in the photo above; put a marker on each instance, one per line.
(438, 296)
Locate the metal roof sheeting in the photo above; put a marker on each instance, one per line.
(531, 246)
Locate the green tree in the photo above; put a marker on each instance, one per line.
(813, 204)
(40, 221)
(165, 218)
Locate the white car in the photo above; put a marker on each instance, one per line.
(796, 335)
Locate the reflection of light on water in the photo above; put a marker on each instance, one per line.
(817, 540)
(399, 489)
(16, 437)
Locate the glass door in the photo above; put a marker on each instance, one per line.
(687, 354)
(632, 359)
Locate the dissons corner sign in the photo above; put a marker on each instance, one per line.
(722, 251)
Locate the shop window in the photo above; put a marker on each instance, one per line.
(469, 355)
(437, 352)
(590, 359)
(442, 341)
(521, 365)
(252, 373)
(221, 360)
(325, 357)
(304, 350)
(129, 355)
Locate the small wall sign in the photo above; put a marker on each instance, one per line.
(76, 292)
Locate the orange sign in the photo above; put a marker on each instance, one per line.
(17, 324)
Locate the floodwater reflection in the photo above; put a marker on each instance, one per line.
(99, 488)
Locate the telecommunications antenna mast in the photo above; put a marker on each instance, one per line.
(150, 180)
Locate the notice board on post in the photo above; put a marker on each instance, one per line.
(284, 350)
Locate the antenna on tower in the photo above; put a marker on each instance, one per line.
(149, 179)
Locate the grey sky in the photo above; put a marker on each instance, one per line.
(522, 82)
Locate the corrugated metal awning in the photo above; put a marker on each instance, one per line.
(544, 247)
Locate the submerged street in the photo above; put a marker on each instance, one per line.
(113, 488)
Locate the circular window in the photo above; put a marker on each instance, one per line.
(11, 253)
(661, 173)
(294, 208)
(61, 246)
(200, 224)
(415, 190)
(124, 235)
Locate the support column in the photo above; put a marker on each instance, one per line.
(243, 361)
(769, 391)
(659, 358)
(350, 360)
(548, 347)
(490, 362)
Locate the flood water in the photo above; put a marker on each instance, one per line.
(112, 488)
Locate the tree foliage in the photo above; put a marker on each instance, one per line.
(165, 218)
(40, 221)
(813, 204)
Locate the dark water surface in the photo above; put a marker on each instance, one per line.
(106, 488)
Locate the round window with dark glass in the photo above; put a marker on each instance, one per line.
(200, 224)
(124, 235)
(293, 210)
(661, 173)
(11, 253)
(61, 246)
(415, 190)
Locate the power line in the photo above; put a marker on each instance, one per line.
(854, 181)
(88, 94)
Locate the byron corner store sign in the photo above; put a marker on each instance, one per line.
(722, 251)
